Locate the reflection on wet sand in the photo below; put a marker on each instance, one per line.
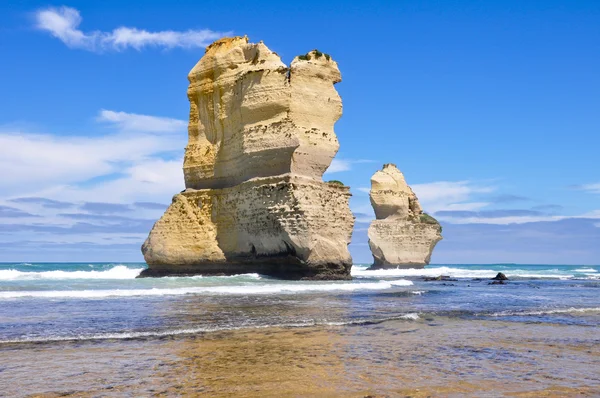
(429, 357)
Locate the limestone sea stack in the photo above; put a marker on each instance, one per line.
(260, 138)
(401, 236)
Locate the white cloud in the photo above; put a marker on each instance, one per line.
(122, 167)
(36, 164)
(500, 220)
(63, 22)
(469, 206)
(516, 219)
(593, 188)
(151, 180)
(339, 165)
(591, 214)
(142, 123)
(450, 195)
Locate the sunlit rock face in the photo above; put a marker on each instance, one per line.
(260, 138)
(401, 235)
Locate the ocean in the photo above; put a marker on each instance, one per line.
(67, 317)
(64, 301)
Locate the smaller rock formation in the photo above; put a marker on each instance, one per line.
(402, 235)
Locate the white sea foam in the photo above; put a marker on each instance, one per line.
(545, 312)
(176, 332)
(412, 316)
(401, 282)
(586, 270)
(134, 335)
(116, 272)
(432, 271)
(253, 289)
(251, 275)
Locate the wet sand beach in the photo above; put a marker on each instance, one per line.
(433, 356)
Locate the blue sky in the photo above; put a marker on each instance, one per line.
(489, 108)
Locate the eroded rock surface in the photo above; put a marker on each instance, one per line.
(260, 138)
(401, 235)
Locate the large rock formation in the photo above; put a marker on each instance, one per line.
(402, 235)
(260, 138)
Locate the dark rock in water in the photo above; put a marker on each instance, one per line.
(445, 278)
(500, 277)
(497, 282)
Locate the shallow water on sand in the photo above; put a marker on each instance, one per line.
(437, 356)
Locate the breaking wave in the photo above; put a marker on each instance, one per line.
(545, 312)
(586, 270)
(361, 272)
(116, 272)
(280, 288)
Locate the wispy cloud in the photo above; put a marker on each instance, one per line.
(105, 208)
(451, 195)
(551, 208)
(49, 203)
(141, 123)
(593, 188)
(150, 205)
(11, 212)
(339, 165)
(508, 198)
(489, 213)
(513, 219)
(63, 23)
(127, 160)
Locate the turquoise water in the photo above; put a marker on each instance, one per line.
(64, 301)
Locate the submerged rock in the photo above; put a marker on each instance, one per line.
(440, 278)
(260, 138)
(402, 235)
